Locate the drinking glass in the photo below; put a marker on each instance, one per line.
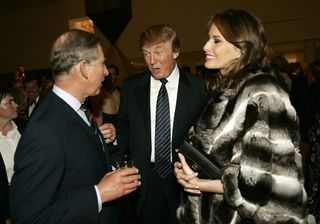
(125, 161)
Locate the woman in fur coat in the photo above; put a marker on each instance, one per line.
(249, 125)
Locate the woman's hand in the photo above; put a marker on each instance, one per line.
(186, 176)
(191, 183)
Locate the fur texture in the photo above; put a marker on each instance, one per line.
(254, 131)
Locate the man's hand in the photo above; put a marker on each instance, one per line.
(108, 131)
(118, 183)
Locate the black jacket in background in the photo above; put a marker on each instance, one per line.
(4, 191)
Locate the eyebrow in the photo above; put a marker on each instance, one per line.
(157, 47)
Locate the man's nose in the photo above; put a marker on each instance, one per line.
(152, 60)
(105, 71)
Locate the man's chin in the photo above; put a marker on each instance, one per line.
(97, 92)
(158, 75)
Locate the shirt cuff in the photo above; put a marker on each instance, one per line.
(99, 198)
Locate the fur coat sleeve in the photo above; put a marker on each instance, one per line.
(255, 133)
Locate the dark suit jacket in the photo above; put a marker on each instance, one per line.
(133, 130)
(4, 191)
(57, 163)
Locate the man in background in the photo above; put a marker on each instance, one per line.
(30, 100)
(32, 88)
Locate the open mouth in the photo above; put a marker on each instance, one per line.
(155, 70)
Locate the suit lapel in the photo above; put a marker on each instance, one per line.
(103, 155)
(182, 102)
(143, 101)
(104, 148)
(82, 125)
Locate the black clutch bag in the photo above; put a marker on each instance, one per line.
(200, 162)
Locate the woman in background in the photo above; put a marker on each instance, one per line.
(105, 106)
(250, 124)
(9, 134)
(9, 138)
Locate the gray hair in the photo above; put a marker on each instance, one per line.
(70, 48)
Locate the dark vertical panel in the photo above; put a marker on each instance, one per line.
(111, 16)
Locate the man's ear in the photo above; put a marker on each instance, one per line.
(83, 69)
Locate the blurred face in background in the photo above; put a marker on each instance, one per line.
(32, 89)
(113, 75)
(220, 54)
(8, 108)
(160, 58)
(20, 70)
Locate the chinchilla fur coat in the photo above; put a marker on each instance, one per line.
(254, 131)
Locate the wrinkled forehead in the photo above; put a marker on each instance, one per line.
(156, 46)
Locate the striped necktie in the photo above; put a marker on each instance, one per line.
(88, 113)
(93, 124)
(162, 164)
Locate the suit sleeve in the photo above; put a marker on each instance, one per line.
(39, 173)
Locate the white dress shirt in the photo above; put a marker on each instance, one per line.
(71, 101)
(172, 89)
(31, 107)
(8, 146)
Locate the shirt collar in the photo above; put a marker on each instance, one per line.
(11, 132)
(67, 97)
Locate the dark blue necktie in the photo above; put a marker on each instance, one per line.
(162, 163)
